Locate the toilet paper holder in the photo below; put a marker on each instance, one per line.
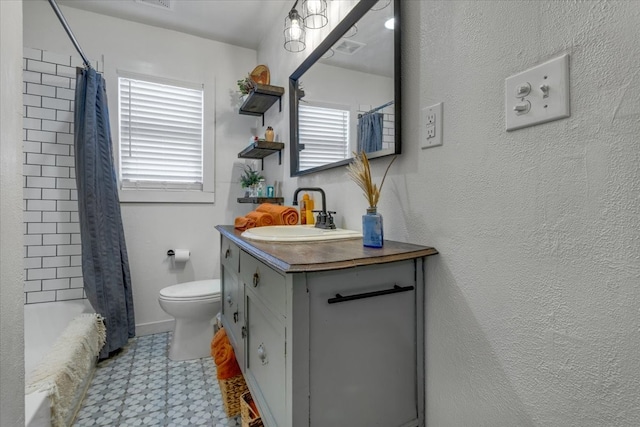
(179, 255)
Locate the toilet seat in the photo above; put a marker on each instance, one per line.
(192, 291)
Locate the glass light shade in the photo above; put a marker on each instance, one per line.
(294, 33)
(314, 13)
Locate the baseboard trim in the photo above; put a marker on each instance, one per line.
(150, 328)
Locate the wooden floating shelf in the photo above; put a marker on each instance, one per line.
(258, 200)
(260, 149)
(261, 99)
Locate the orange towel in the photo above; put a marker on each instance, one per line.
(243, 223)
(218, 339)
(261, 218)
(282, 215)
(226, 363)
(224, 356)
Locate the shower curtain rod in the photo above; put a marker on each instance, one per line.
(63, 21)
(376, 109)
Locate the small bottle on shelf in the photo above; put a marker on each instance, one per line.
(260, 188)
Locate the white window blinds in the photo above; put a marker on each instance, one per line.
(324, 133)
(161, 135)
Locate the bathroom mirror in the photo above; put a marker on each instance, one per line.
(345, 96)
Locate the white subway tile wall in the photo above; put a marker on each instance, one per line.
(52, 261)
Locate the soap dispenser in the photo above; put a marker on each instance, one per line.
(303, 208)
(310, 205)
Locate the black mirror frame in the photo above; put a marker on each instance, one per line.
(352, 18)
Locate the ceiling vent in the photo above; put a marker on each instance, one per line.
(348, 47)
(161, 4)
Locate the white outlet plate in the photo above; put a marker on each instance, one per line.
(536, 107)
(431, 126)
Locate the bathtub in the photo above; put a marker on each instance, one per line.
(43, 324)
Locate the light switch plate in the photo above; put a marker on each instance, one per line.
(431, 126)
(538, 95)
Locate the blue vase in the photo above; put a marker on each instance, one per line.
(372, 230)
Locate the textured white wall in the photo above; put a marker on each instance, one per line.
(151, 229)
(11, 299)
(533, 303)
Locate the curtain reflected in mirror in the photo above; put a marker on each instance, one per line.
(376, 129)
(350, 97)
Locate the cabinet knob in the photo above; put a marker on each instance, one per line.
(235, 317)
(227, 253)
(262, 354)
(256, 279)
(229, 300)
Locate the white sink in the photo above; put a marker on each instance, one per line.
(298, 233)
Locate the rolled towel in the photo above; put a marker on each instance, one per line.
(226, 363)
(261, 218)
(218, 339)
(243, 223)
(282, 215)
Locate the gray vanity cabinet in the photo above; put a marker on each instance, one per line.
(327, 347)
(362, 353)
(232, 294)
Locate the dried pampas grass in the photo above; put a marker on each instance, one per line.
(360, 171)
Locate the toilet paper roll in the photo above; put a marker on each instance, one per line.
(181, 255)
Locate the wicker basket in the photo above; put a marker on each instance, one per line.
(232, 389)
(250, 418)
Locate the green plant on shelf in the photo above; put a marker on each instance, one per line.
(250, 177)
(246, 85)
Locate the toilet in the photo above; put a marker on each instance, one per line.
(194, 305)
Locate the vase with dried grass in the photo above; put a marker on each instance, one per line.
(372, 224)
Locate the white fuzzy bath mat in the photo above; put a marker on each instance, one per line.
(62, 372)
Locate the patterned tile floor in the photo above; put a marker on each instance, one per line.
(142, 387)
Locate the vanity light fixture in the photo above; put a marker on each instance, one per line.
(390, 23)
(294, 33)
(314, 13)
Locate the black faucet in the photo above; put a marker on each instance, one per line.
(324, 219)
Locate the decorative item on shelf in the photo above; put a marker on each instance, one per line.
(372, 226)
(246, 85)
(260, 188)
(261, 75)
(249, 180)
(268, 134)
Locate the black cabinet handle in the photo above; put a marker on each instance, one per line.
(339, 298)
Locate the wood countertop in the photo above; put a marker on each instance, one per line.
(325, 255)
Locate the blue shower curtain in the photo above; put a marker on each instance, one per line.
(370, 132)
(105, 265)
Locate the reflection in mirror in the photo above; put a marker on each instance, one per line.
(345, 96)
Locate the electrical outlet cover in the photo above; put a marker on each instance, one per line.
(431, 126)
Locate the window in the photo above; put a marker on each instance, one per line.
(324, 133)
(161, 136)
